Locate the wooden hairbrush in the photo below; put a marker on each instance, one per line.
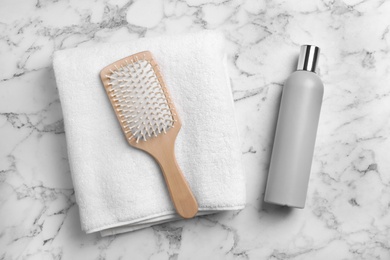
(148, 118)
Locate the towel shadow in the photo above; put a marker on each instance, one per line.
(64, 180)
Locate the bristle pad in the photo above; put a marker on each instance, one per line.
(140, 101)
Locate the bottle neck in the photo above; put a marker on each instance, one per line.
(308, 58)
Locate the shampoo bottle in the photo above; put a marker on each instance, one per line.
(295, 135)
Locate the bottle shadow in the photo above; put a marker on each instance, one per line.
(275, 210)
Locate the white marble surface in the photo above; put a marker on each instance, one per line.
(348, 206)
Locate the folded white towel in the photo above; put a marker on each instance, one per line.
(119, 188)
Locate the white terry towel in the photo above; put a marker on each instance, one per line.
(119, 188)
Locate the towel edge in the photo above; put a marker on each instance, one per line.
(170, 214)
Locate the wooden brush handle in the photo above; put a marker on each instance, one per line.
(181, 195)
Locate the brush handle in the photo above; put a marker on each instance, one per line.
(181, 195)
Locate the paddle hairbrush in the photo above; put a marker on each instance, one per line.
(148, 118)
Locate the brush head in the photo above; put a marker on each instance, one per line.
(139, 97)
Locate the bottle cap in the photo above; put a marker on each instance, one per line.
(308, 58)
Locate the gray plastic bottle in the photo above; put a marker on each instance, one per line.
(295, 135)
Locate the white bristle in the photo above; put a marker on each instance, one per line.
(139, 99)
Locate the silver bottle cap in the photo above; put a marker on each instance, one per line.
(308, 58)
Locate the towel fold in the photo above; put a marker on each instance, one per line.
(119, 188)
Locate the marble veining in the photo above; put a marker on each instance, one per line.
(347, 214)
